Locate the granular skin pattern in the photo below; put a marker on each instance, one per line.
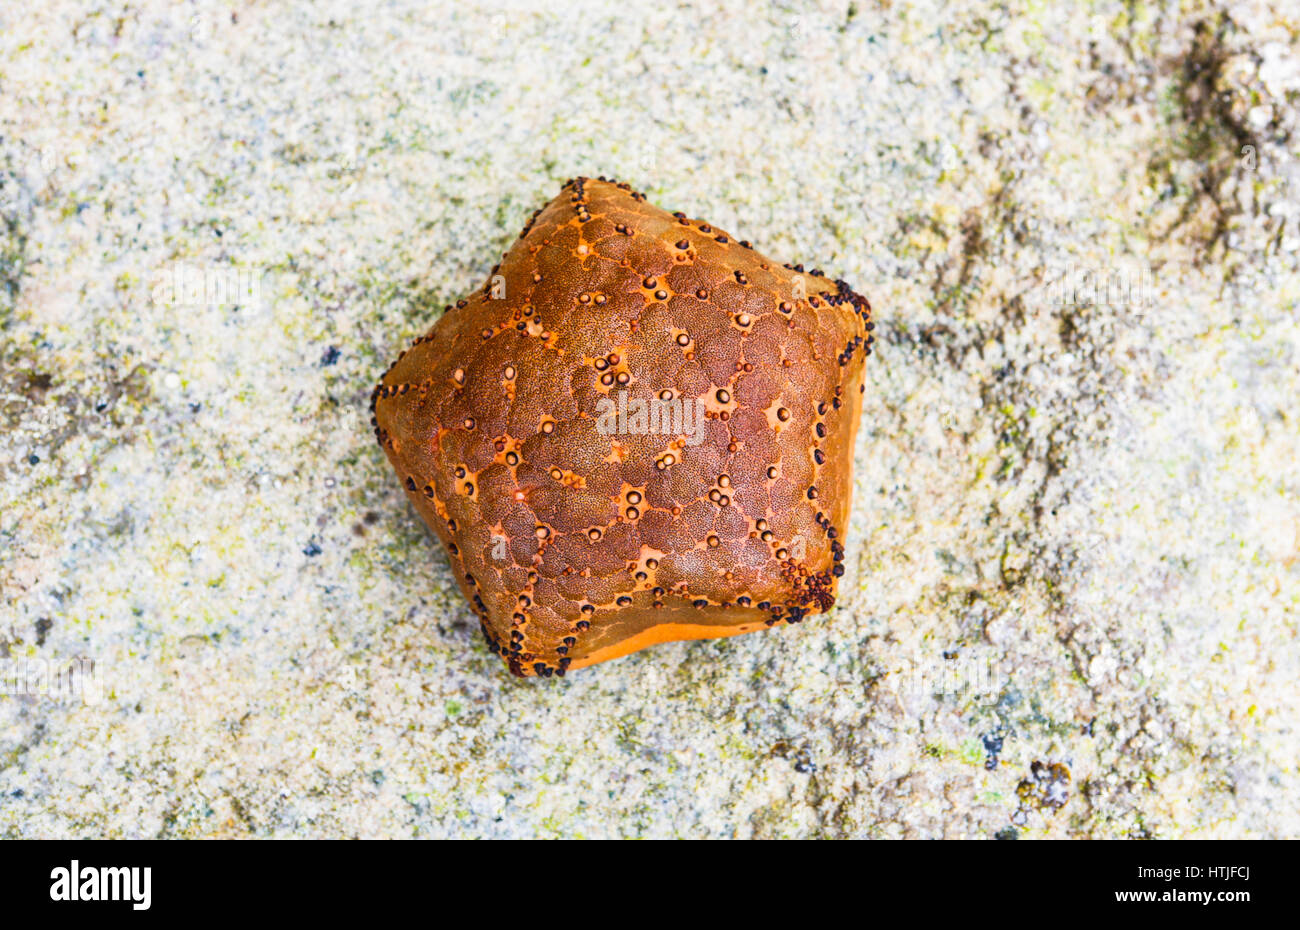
(581, 532)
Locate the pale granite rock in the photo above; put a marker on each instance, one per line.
(1075, 530)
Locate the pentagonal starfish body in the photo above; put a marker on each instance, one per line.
(639, 430)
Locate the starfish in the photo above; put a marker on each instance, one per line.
(638, 430)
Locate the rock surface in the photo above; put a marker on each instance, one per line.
(1071, 599)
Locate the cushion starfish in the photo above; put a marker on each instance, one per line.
(638, 430)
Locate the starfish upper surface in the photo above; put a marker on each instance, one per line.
(638, 430)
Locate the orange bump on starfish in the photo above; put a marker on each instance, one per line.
(638, 430)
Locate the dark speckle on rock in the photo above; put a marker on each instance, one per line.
(329, 357)
(992, 747)
(1046, 788)
(311, 550)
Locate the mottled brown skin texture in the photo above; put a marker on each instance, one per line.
(576, 544)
